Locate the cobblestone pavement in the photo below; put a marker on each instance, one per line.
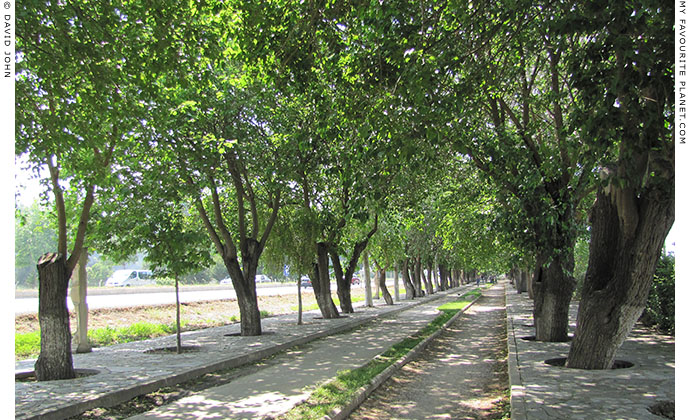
(540, 391)
(125, 371)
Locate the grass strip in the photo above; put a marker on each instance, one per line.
(28, 345)
(339, 392)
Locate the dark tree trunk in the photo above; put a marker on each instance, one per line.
(521, 281)
(382, 286)
(417, 278)
(628, 234)
(55, 359)
(321, 283)
(244, 283)
(343, 283)
(409, 287)
(553, 290)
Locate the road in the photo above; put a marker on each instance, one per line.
(148, 297)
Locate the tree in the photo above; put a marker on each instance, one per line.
(75, 109)
(626, 82)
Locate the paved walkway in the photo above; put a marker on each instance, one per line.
(457, 377)
(540, 391)
(125, 371)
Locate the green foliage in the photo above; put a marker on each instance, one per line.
(33, 236)
(661, 303)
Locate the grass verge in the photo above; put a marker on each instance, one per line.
(339, 392)
(28, 345)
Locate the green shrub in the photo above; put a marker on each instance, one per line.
(661, 303)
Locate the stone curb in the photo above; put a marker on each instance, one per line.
(518, 410)
(146, 387)
(363, 392)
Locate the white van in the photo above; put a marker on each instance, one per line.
(122, 278)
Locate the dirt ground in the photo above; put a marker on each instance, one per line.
(197, 315)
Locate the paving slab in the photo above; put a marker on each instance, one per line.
(126, 370)
(540, 391)
(276, 388)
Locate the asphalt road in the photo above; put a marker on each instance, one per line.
(147, 296)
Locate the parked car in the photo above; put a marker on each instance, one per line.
(261, 278)
(305, 282)
(226, 280)
(355, 280)
(124, 278)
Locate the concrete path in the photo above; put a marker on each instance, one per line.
(457, 377)
(540, 391)
(125, 371)
(289, 380)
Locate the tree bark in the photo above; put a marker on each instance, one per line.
(299, 300)
(627, 237)
(81, 309)
(343, 283)
(417, 277)
(409, 287)
(428, 280)
(321, 283)
(244, 283)
(178, 324)
(382, 286)
(368, 301)
(396, 285)
(55, 359)
(553, 290)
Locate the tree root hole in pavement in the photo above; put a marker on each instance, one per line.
(560, 362)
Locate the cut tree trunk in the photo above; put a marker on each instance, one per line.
(627, 238)
(553, 290)
(55, 359)
(384, 290)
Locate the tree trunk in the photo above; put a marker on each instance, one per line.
(627, 238)
(299, 300)
(343, 282)
(553, 290)
(321, 283)
(396, 285)
(428, 280)
(409, 287)
(368, 301)
(418, 276)
(521, 281)
(177, 315)
(55, 359)
(81, 309)
(244, 283)
(384, 290)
